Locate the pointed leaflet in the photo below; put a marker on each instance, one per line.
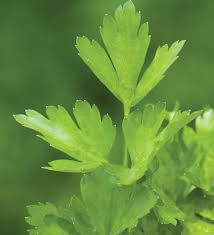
(126, 42)
(198, 143)
(98, 61)
(70, 166)
(163, 59)
(144, 139)
(112, 208)
(90, 142)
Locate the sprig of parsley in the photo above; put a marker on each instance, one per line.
(165, 183)
(119, 66)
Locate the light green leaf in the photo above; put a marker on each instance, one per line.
(98, 61)
(169, 214)
(164, 58)
(38, 212)
(198, 227)
(100, 132)
(111, 207)
(141, 128)
(178, 121)
(127, 42)
(70, 166)
(89, 142)
(208, 213)
(144, 138)
(198, 143)
(47, 220)
(120, 65)
(205, 123)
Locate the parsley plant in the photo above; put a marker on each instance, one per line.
(165, 184)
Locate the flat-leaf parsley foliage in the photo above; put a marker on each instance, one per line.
(165, 184)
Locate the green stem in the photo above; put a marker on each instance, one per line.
(125, 159)
(125, 162)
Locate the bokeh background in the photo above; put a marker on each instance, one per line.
(39, 66)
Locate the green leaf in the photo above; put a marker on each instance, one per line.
(107, 209)
(169, 214)
(100, 132)
(178, 121)
(171, 161)
(70, 166)
(198, 143)
(205, 132)
(164, 58)
(198, 205)
(205, 123)
(112, 208)
(98, 61)
(38, 212)
(152, 226)
(119, 66)
(208, 213)
(198, 227)
(47, 220)
(89, 142)
(127, 42)
(144, 137)
(141, 128)
(198, 208)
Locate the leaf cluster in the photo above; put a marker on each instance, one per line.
(165, 184)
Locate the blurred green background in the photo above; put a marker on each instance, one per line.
(39, 66)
